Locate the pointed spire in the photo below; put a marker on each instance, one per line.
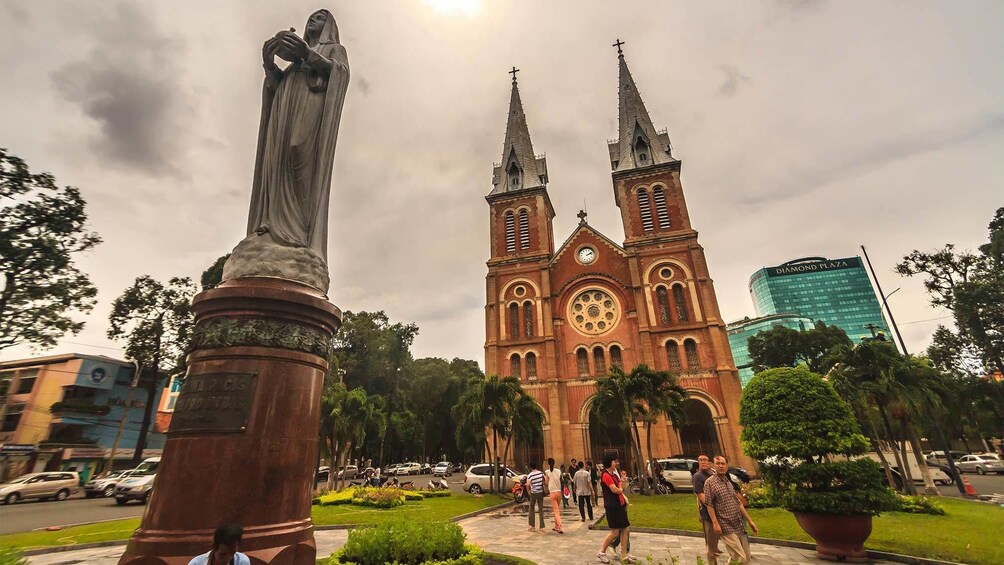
(638, 143)
(519, 168)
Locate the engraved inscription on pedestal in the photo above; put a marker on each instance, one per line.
(214, 402)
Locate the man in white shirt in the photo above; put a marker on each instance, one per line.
(535, 488)
(226, 541)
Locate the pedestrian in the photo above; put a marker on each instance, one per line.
(704, 472)
(615, 504)
(226, 542)
(593, 477)
(535, 488)
(573, 468)
(376, 477)
(727, 513)
(744, 538)
(566, 480)
(583, 487)
(553, 479)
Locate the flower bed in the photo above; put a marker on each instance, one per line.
(375, 497)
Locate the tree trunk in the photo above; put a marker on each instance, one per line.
(925, 471)
(907, 486)
(885, 462)
(333, 454)
(493, 483)
(151, 396)
(907, 472)
(640, 465)
(651, 460)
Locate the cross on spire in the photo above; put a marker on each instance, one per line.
(582, 216)
(618, 46)
(513, 73)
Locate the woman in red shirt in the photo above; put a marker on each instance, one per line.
(615, 504)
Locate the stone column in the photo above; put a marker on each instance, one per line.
(243, 438)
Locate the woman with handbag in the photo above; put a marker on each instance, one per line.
(552, 478)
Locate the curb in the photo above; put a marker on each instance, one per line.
(873, 554)
(97, 544)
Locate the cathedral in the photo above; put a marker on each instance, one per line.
(558, 317)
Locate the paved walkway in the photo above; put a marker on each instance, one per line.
(506, 532)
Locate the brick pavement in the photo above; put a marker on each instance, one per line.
(506, 532)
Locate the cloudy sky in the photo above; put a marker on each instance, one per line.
(805, 128)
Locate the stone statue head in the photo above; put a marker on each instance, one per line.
(321, 29)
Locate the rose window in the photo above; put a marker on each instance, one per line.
(593, 312)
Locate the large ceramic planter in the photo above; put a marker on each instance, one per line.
(838, 537)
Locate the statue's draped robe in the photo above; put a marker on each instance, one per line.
(296, 148)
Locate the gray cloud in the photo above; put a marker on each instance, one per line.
(733, 78)
(128, 84)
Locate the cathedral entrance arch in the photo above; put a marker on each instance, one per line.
(699, 434)
(607, 439)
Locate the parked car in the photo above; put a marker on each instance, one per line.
(939, 476)
(409, 469)
(939, 456)
(139, 486)
(322, 473)
(56, 485)
(105, 486)
(442, 469)
(348, 472)
(981, 464)
(391, 469)
(676, 473)
(426, 468)
(476, 480)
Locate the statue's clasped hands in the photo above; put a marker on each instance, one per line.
(287, 46)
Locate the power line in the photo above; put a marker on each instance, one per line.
(927, 320)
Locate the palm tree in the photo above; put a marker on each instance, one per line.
(485, 406)
(664, 397)
(616, 401)
(525, 421)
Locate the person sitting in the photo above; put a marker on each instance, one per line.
(226, 542)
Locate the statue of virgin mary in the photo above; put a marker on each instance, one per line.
(301, 109)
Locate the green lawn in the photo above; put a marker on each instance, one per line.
(966, 533)
(429, 509)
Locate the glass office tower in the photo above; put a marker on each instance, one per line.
(740, 332)
(835, 291)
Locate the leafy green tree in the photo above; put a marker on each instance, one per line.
(42, 230)
(786, 347)
(486, 405)
(971, 286)
(213, 275)
(616, 401)
(156, 321)
(663, 397)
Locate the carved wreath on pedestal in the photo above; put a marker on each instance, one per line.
(260, 332)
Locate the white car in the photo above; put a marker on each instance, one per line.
(478, 478)
(409, 469)
(676, 473)
(981, 464)
(139, 486)
(442, 469)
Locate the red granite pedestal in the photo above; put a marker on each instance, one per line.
(243, 439)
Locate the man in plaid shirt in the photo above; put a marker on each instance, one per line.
(727, 513)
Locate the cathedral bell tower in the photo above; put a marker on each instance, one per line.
(522, 243)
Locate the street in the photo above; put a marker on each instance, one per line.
(33, 515)
(984, 484)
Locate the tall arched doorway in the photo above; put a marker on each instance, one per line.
(699, 435)
(525, 452)
(605, 439)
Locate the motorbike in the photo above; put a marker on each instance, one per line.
(519, 493)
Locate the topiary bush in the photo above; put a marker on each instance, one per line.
(796, 422)
(761, 494)
(918, 505)
(408, 543)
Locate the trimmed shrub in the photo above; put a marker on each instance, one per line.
(435, 493)
(408, 543)
(795, 420)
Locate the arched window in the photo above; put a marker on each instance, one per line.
(531, 366)
(615, 356)
(513, 321)
(661, 211)
(673, 356)
(524, 230)
(646, 210)
(693, 360)
(680, 298)
(583, 360)
(510, 232)
(663, 297)
(599, 361)
(641, 150)
(528, 319)
(514, 365)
